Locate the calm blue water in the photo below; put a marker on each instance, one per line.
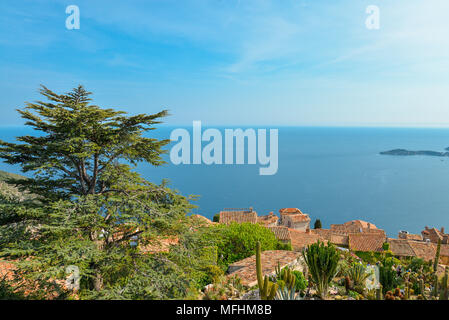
(335, 174)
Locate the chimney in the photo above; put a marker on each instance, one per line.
(271, 213)
(442, 230)
(445, 239)
(369, 225)
(426, 227)
(250, 209)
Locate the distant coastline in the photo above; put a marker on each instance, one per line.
(404, 152)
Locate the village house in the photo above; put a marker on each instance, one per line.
(355, 226)
(426, 250)
(433, 235)
(270, 220)
(293, 218)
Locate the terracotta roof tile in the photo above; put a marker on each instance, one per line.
(300, 240)
(401, 248)
(290, 211)
(299, 217)
(423, 250)
(366, 241)
(268, 219)
(281, 233)
(242, 216)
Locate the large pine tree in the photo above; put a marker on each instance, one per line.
(81, 148)
(86, 207)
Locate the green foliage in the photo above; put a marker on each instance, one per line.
(89, 207)
(225, 288)
(387, 275)
(289, 279)
(353, 294)
(301, 282)
(444, 294)
(214, 273)
(358, 274)
(317, 224)
(370, 256)
(267, 289)
(322, 262)
(437, 256)
(386, 246)
(81, 149)
(237, 241)
(293, 278)
(284, 246)
(8, 292)
(216, 218)
(417, 265)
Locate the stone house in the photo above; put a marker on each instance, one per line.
(433, 235)
(355, 226)
(293, 218)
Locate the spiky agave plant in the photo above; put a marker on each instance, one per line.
(285, 293)
(322, 261)
(358, 274)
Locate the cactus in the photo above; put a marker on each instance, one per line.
(435, 286)
(288, 278)
(379, 293)
(407, 292)
(322, 263)
(444, 295)
(278, 271)
(437, 256)
(422, 289)
(267, 289)
(407, 287)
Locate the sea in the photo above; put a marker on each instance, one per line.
(334, 174)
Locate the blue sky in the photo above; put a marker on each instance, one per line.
(235, 62)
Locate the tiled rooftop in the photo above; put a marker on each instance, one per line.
(401, 247)
(268, 219)
(300, 239)
(366, 241)
(281, 233)
(290, 211)
(238, 216)
(246, 269)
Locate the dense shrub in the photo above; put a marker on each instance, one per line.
(387, 275)
(238, 241)
(301, 283)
